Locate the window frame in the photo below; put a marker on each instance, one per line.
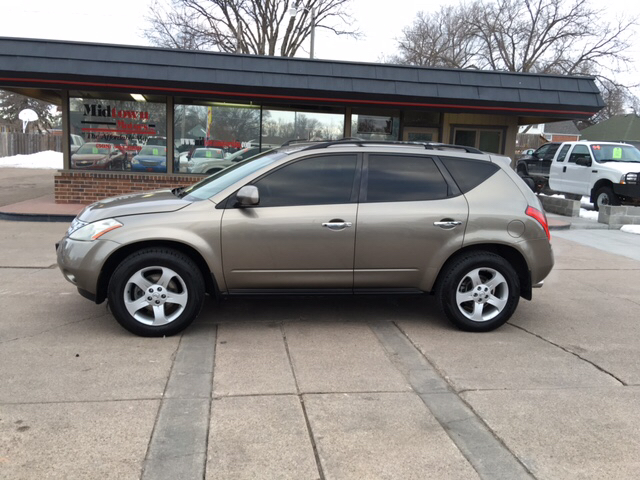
(453, 128)
(355, 186)
(452, 189)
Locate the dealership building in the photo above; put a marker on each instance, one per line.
(133, 116)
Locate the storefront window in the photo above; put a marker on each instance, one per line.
(110, 134)
(487, 140)
(280, 126)
(213, 136)
(375, 125)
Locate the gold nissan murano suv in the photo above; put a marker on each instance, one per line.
(318, 218)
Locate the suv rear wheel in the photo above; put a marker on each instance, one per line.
(156, 292)
(479, 292)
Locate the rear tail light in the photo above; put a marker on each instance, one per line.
(541, 218)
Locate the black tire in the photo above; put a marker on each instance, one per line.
(530, 183)
(605, 196)
(491, 285)
(172, 297)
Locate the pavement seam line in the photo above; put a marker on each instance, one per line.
(577, 355)
(50, 267)
(477, 442)
(155, 422)
(178, 446)
(213, 373)
(316, 454)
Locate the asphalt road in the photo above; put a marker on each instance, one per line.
(329, 388)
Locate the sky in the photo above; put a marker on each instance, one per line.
(122, 22)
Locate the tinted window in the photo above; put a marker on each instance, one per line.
(579, 151)
(313, 181)
(563, 153)
(468, 174)
(542, 150)
(403, 179)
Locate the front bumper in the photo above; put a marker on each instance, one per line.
(81, 262)
(629, 190)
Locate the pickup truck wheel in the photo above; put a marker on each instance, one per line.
(479, 292)
(605, 196)
(156, 292)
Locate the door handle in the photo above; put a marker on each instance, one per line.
(447, 224)
(337, 224)
(564, 169)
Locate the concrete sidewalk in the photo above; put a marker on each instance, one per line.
(328, 388)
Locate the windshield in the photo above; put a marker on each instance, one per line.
(94, 149)
(615, 153)
(154, 151)
(217, 182)
(207, 153)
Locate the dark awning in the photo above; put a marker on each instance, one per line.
(39, 67)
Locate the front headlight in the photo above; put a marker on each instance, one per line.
(630, 178)
(95, 230)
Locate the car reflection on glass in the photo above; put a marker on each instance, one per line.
(212, 165)
(98, 156)
(151, 158)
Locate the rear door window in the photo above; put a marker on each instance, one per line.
(400, 178)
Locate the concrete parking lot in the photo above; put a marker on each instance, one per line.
(321, 388)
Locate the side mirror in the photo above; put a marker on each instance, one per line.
(248, 196)
(583, 161)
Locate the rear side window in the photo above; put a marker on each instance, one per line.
(397, 178)
(468, 174)
(563, 153)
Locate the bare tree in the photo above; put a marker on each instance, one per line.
(446, 38)
(262, 27)
(550, 36)
(538, 36)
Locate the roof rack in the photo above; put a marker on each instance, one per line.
(362, 143)
(317, 142)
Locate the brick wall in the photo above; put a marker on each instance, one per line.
(88, 187)
(565, 138)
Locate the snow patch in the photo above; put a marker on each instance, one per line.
(47, 160)
(588, 214)
(631, 229)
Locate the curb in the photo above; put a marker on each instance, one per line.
(36, 217)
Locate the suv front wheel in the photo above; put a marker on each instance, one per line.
(479, 292)
(156, 292)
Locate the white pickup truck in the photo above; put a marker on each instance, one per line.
(606, 172)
